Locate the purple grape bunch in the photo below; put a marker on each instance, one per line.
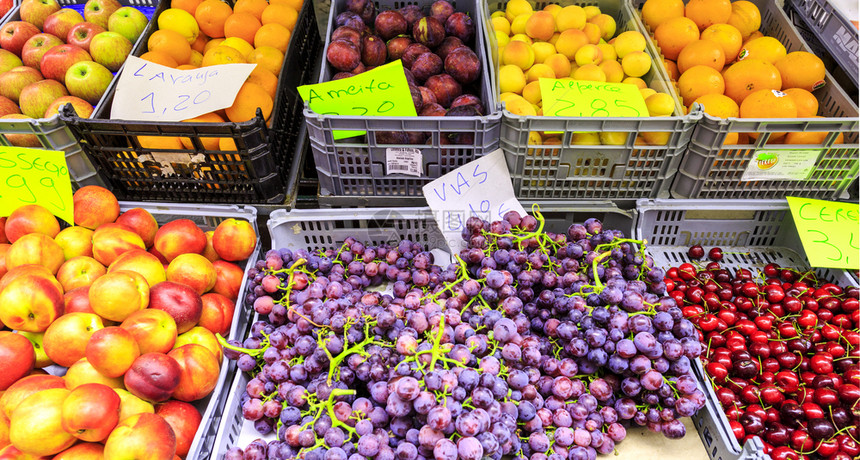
(531, 344)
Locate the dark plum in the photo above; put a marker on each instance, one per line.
(411, 54)
(360, 68)
(390, 24)
(469, 99)
(425, 66)
(463, 111)
(373, 51)
(432, 110)
(396, 47)
(463, 64)
(343, 55)
(391, 137)
(441, 10)
(416, 137)
(409, 77)
(460, 25)
(364, 8)
(429, 32)
(445, 88)
(448, 44)
(351, 20)
(412, 13)
(342, 75)
(427, 96)
(417, 100)
(347, 33)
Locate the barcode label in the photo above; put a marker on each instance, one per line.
(403, 161)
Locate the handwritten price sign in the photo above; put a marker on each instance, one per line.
(828, 231)
(151, 92)
(382, 91)
(31, 176)
(578, 98)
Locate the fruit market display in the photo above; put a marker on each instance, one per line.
(720, 59)
(782, 352)
(122, 314)
(570, 43)
(193, 34)
(53, 56)
(531, 345)
(436, 47)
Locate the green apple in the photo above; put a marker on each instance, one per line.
(128, 22)
(98, 11)
(88, 80)
(110, 49)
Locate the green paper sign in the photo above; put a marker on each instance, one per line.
(33, 176)
(382, 91)
(828, 231)
(580, 98)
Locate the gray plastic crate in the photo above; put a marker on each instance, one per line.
(617, 172)
(208, 217)
(356, 166)
(834, 30)
(713, 169)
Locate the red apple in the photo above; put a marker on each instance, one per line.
(153, 377)
(112, 350)
(21, 140)
(79, 271)
(110, 49)
(31, 218)
(217, 315)
(234, 239)
(36, 11)
(154, 330)
(140, 261)
(78, 300)
(179, 301)
(59, 59)
(112, 240)
(180, 236)
(228, 280)
(36, 424)
(17, 358)
(14, 34)
(199, 374)
(36, 47)
(82, 108)
(95, 205)
(8, 59)
(37, 97)
(184, 419)
(5, 7)
(82, 33)
(91, 412)
(146, 436)
(30, 302)
(201, 336)
(23, 388)
(14, 80)
(194, 271)
(116, 295)
(141, 222)
(66, 339)
(75, 241)
(82, 451)
(60, 22)
(82, 372)
(8, 107)
(99, 11)
(37, 249)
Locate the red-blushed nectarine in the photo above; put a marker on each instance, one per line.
(153, 377)
(66, 338)
(141, 222)
(140, 261)
(112, 350)
(83, 372)
(184, 419)
(25, 387)
(146, 436)
(4, 431)
(199, 372)
(17, 358)
(234, 239)
(194, 271)
(78, 299)
(31, 301)
(35, 248)
(90, 412)
(31, 218)
(178, 300)
(75, 241)
(116, 295)
(4, 247)
(180, 236)
(94, 206)
(79, 271)
(111, 240)
(82, 451)
(37, 340)
(228, 280)
(201, 336)
(217, 315)
(10, 452)
(209, 250)
(154, 330)
(36, 424)
(132, 405)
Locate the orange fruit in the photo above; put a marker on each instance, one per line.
(187, 67)
(810, 137)
(242, 25)
(727, 36)
(718, 105)
(702, 52)
(748, 76)
(212, 44)
(540, 25)
(765, 48)
(745, 16)
(708, 12)
(250, 97)
(672, 69)
(200, 43)
(806, 103)
(280, 14)
(223, 55)
(698, 81)
(656, 12)
(254, 7)
(226, 144)
(801, 70)
(160, 142)
(209, 143)
(172, 43)
(268, 58)
(674, 34)
(160, 57)
(187, 5)
(294, 4)
(768, 103)
(211, 15)
(265, 79)
(274, 35)
(196, 58)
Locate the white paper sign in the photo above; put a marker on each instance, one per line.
(479, 188)
(779, 164)
(152, 92)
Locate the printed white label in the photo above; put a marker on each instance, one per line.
(773, 164)
(407, 161)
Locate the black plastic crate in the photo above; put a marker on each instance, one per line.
(254, 173)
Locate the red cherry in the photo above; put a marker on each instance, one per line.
(715, 254)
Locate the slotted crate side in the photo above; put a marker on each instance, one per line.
(713, 169)
(620, 172)
(834, 30)
(253, 173)
(357, 167)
